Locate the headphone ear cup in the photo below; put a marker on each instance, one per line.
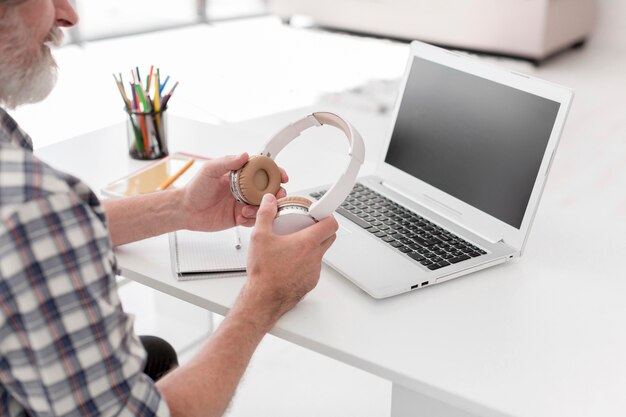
(293, 215)
(301, 202)
(259, 176)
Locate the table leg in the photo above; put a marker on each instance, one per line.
(408, 403)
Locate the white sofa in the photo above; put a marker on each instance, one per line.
(533, 29)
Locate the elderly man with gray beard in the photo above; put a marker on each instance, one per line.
(67, 348)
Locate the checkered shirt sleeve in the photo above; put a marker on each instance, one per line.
(67, 348)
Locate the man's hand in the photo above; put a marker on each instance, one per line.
(283, 269)
(207, 202)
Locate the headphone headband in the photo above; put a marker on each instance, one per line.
(338, 192)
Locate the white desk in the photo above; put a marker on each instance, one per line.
(542, 336)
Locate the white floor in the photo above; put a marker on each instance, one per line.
(243, 70)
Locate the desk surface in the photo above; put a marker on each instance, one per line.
(541, 336)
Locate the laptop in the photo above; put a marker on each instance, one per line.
(457, 189)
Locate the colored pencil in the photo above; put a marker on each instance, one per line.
(144, 107)
(129, 107)
(142, 119)
(164, 84)
(174, 177)
(120, 87)
(169, 95)
(149, 82)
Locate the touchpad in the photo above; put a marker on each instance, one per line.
(342, 231)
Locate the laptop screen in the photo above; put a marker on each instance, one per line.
(475, 139)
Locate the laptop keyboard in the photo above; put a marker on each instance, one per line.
(425, 242)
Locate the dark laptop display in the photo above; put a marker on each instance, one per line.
(477, 140)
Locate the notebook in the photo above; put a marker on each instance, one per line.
(456, 190)
(199, 255)
(150, 177)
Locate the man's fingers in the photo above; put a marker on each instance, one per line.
(320, 231)
(327, 228)
(220, 166)
(266, 213)
(249, 211)
(242, 221)
(328, 243)
(284, 178)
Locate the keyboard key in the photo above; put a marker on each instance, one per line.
(434, 266)
(354, 219)
(423, 242)
(459, 259)
(420, 238)
(416, 256)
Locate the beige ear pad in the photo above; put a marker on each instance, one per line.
(294, 200)
(259, 176)
(293, 215)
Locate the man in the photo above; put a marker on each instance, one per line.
(66, 345)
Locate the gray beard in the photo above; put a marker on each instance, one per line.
(25, 76)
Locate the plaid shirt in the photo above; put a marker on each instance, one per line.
(66, 346)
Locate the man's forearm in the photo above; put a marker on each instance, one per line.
(206, 385)
(140, 217)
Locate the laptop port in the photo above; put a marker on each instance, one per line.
(425, 283)
(414, 286)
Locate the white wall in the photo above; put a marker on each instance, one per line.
(610, 30)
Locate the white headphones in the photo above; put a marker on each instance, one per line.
(260, 175)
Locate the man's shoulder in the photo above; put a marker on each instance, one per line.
(11, 133)
(24, 178)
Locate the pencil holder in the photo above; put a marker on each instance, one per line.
(147, 134)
